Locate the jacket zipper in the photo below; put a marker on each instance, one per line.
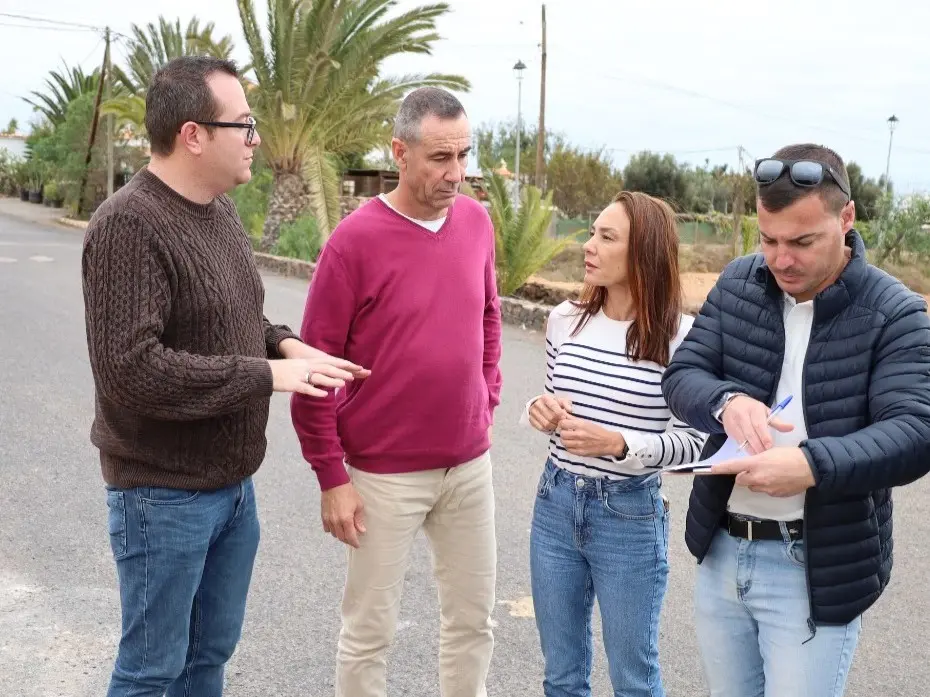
(771, 397)
(807, 566)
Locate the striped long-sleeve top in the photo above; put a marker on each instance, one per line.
(592, 370)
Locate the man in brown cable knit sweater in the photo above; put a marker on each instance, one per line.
(184, 366)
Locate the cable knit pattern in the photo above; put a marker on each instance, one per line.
(866, 401)
(177, 340)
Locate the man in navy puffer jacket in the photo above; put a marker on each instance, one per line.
(794, 538)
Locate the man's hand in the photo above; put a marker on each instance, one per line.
(307, 377)
(546, 412)
(744, 419)
(342, 511)
(291, 348)
(782, 471)
(589, 440)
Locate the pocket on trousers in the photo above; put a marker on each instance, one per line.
(161, 496)
(545, 482)
(116, 523)
(638, 504)
(794, 551)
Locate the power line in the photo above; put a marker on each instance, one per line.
(33, 26)
(658, 84)
(56, 25)
(50, 21)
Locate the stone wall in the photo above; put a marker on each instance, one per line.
(347, 204)
(516, 311)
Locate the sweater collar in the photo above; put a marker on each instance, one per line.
(834, 298)
(196, 210)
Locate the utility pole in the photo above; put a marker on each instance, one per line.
(518, 69)
(93, 124)
(738, 206)
(892, 123)
(541, 132)
(109, 78)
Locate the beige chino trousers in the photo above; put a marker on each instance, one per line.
(455, 508)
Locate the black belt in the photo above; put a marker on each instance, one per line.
(738, 526)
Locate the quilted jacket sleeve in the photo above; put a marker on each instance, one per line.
(694, 380)
(895, 449)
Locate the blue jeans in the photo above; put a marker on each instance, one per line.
(184, 560)
(751, 614)
(605, 539)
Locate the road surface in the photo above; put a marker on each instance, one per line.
(58, 601)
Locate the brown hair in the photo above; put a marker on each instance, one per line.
(179, 93)
(782, 192)
(652, 262)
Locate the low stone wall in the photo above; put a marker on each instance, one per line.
(516, 311)
(529, 309)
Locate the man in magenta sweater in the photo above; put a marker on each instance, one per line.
(406, 286)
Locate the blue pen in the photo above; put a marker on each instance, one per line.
(772, 414)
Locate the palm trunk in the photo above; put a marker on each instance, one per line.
(290, 198)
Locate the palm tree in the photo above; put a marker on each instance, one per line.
(522, 242)
(63, 88)
(150, 48)
(318, 92)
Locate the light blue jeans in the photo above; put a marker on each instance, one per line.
(593, 538)
(184, 560)
(752, 618)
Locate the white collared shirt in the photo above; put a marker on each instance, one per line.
(799, 319)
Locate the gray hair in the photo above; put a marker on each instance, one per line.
(423, 102)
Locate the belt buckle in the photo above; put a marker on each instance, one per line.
(749, 530)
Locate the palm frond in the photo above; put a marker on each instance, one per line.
(323, 179)
(62, 88)
(521, 238)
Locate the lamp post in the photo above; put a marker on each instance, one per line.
(892, 124)
(518, 69)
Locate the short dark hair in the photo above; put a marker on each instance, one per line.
(423, 102)
(782, 192)
(179, 93)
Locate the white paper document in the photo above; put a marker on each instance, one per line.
(728, 451)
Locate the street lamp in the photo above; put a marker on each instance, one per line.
(892, 124)
(518, 69)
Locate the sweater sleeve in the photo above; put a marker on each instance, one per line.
(677, 445)
(328, 314)
(492, 331)
(127, 298)
(274, 335)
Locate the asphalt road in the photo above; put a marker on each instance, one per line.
(59, 615)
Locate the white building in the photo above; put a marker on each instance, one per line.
(14, 144)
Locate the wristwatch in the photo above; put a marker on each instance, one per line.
(723, 401)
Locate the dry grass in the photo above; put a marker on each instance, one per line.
(700, 266)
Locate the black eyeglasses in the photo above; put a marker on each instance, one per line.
(249, 123)
(804, 173)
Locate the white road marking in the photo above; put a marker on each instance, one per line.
(41, 259)
(521, 607)
(7, 260)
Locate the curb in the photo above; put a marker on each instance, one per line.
(72, 223)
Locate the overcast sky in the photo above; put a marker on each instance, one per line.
(665, 75)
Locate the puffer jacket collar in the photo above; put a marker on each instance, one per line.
(836, 297)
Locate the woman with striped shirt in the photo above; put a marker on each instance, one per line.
(600, 527)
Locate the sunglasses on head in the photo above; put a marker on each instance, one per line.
(804, 173)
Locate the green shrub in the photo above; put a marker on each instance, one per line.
(300, 239)
(251, 201)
